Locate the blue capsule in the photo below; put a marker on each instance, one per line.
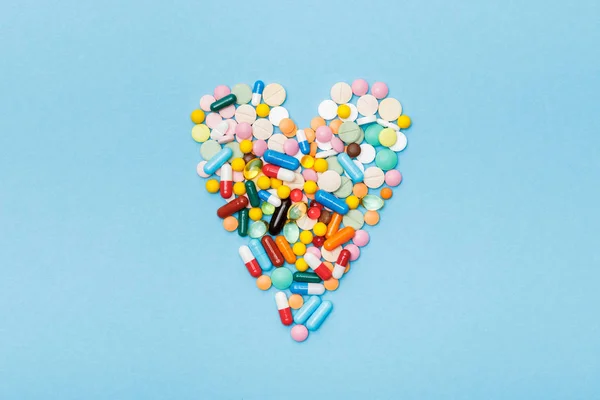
(307, 288)
(302, 142)
(307, 309)
(316, 320)
(257, 92)
(269, 197)
(260, 254)
(331, 202)
(217, 161)
(281, 159)
(351, 169)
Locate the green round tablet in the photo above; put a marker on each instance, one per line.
(235, 147)
(345, 189)
(354, 218)
(334, 165)
(386, 159)
(349, 132)
(282, 278)
(209, 149)
(372, 134)
(242, 92)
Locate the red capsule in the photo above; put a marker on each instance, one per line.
(232, 207)
(272, 250)
(340, 265)
(226, 186)
(285, 312)
(250, 261)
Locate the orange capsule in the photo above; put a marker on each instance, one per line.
(334, 225)
(339, 238)
(285, 249)
(313, 149)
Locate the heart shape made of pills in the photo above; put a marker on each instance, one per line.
(301, 195)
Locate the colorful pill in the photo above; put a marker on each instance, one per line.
(218, 160)
(243, 222)
(340, 265)
(310, 277)
(279, 217)
(226, 186)
(269, 198)
(331, 202)
(285, 249)
(307, 309)
(302, 141)
(232, 207)
(223, 102)
(334, 225)
(316, 319)
(317, 266)
(250, 261)
(252, 193)
(226, 139)
(351, 169)
(272, 250)
(307, 288)
(261, 255)
(339, 238)
(281, 159)
(275, 171)
(285, 312)
(259, 86)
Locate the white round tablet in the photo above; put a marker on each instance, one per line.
(297, 183)
(324, 145)
(353, 113)
(341, 93)
(273, 94)
(329, 181)
(277, 114)
(390, 109)
(374, 177)
(328, 109)
(245, 113)
(367, 153)
(367, 105)
(332, 255)
(262, 129)
(401, 142)
(276, 142)
(306, 223)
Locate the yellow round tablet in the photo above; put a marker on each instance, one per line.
(310, 187)
(255, 213)
(343, 111)
(321, 165)
(263, 282)
(404, 121)
(200, 133)
(353, 202)
(263, 182)
(238, 164)
(301, 265)
(246, 146)
(239, 188)
(306, 237)
(212, 186)
(230, 224)
(197, 116)
(283, 192)
(388, 137)
(319, 229)
(295, 301)
(262, 110)
(276, 183)
(331, 284)
(299, 249)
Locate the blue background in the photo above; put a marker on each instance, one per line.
(481, 281)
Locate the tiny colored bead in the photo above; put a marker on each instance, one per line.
(314, 212)
(320, 229)
(263, 282)
(197, 116)
(296, 195)
(299, 249)
(230, 224)
(404, 121)
(239, 189)
(386, 193)
(213, 186)
(318, 241)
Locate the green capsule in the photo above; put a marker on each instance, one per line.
(267, 208)
(252, 193)
(372, 202)
(310, 277)
(243, 220)
(223, 102)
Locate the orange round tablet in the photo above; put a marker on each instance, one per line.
(371, 218)
(328, 265)
(360, 190)
(296, 301)
(230, 224)
(263, 282)
(347, 268)
(310, 135)
(287, 127)
(316, 122)
(386, 193)
(335, 125)
(331, 284)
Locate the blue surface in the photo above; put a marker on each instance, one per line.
(481, 281)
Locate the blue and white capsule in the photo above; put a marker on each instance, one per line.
(269, 197)
(302, 141)
(316, 319)
(260, 254)
(281, 159)
(351, 169)
(331, 202)
(306, 288)
(307, 309)
(217, 161)
(259, 86)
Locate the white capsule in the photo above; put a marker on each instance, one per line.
(326, 153)
(366, 120)
(226, 172)
(281, 301)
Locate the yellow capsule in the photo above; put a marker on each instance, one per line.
(262, 110)
(238, 164)
(253, 168)
(307, 161)
(239, 188)
(212, 186)
(197, 116)
(344, 111)
(264, 182)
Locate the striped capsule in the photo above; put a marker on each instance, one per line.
(272, 250)
(307, 288)
(269, 197)
(285, 312)
(259, 86)
(316, 265)
(226, 185)
(340, 265)
(275, 171)
(307, 309)
(339, 238)
(285, 249)
(316, 319)
(250, 261)
(302, 141)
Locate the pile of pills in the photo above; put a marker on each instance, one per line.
(301, 195)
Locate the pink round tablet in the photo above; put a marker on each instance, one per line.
(299, 333)
(315, 251)
(221, 91)
(354, 251)
(290, 147)
(238, 176)
(212, 120)
(337, 144)
(361, 238)
(379, 90)
(324, 134)
(200, 170)
(232, 125)
(243, 130)
(360, 87)
(227, 112)
(310, 175)
(259, 147)
(393, 177)
(206, 101)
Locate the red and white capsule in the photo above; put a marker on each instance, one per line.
(340, 265)
(285, 312)
(317, 266)
(275, 171)
(250, 261)
(226, 181)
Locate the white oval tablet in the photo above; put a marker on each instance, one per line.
(277, 114)
(324, 145)
(273, 94)
(329, 181)
(366, 120)
(341, 93)
(353, 113)
(306, 223)
(328, 109)
(367, 105)
(401, 142)
(326, 153)
(390, 109)
(262, 129)
(245, 113)
(367, 153)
